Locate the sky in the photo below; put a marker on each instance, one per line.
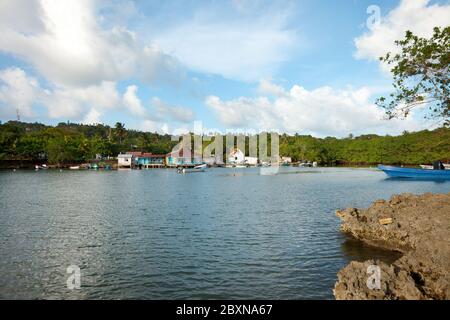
(306, 66)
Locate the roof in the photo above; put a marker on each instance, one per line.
(127, 155)
(135, 153)
(151, 155)
(158, 156)
(146, 155)
(235, 151)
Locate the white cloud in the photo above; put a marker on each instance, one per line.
(17, 92)
(92, 117)
(417, 16)
(64, 41)
(69, 102)
(320, 112)
(133, 103)
(246, 48)
(176, 113)
(267, 87)
(20, 91)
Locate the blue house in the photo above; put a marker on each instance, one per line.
(178, 158)
(147, 160)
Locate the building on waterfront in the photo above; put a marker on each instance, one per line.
(149, 160)
(286, 160)
(125, 160)
(251, 161)
(236, 157)
(179, 158)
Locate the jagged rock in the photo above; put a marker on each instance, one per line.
(420, 229)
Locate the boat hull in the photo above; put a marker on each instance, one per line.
(399, 172)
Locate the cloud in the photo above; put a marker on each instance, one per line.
(133, 103)
(66, 43)
(267, 87)
(92, 117)
(176, 113)
(154, 126)
(320, 112)
(68, 102)
(85, 104)
(17, 92)
(245, 47)
(20, 91)
(417, 16)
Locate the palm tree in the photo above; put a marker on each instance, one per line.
(119, 131)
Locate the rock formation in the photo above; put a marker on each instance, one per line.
(418, 227)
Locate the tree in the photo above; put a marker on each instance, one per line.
(421, 76)
(119, 131)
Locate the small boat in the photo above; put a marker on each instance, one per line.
(43, 167)
(430, 167)
(74, 168)
(415, 173)
(305, 164)
(199, 168)
(93, 166)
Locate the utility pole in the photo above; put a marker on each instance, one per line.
(18, 114)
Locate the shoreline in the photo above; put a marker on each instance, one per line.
(417, 226)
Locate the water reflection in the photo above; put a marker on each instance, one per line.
(157, 234)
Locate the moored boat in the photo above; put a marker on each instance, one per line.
(199, 168)
(430, 167)
(415, 173)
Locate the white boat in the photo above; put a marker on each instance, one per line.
(74, 168)
(305, 164)
(430, 167)
(199, 168)
(37, 167)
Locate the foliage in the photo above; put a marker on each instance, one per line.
(69, 142)
(421, 76)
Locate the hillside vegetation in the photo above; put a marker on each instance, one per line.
(69, 142)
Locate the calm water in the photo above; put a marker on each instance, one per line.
(226, 233)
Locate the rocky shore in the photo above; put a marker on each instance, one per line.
(417, 226)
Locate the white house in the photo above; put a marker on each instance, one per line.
(251, 161)
(125, 160)
(286, 160)
(236, 156)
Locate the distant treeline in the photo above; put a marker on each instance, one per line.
(70, 142)
(409, 148)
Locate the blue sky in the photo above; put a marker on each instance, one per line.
(293, 66)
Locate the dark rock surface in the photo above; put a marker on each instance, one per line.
(416, 225)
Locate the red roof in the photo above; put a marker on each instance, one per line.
(146, 154)
(135, 153)
(157, 156)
